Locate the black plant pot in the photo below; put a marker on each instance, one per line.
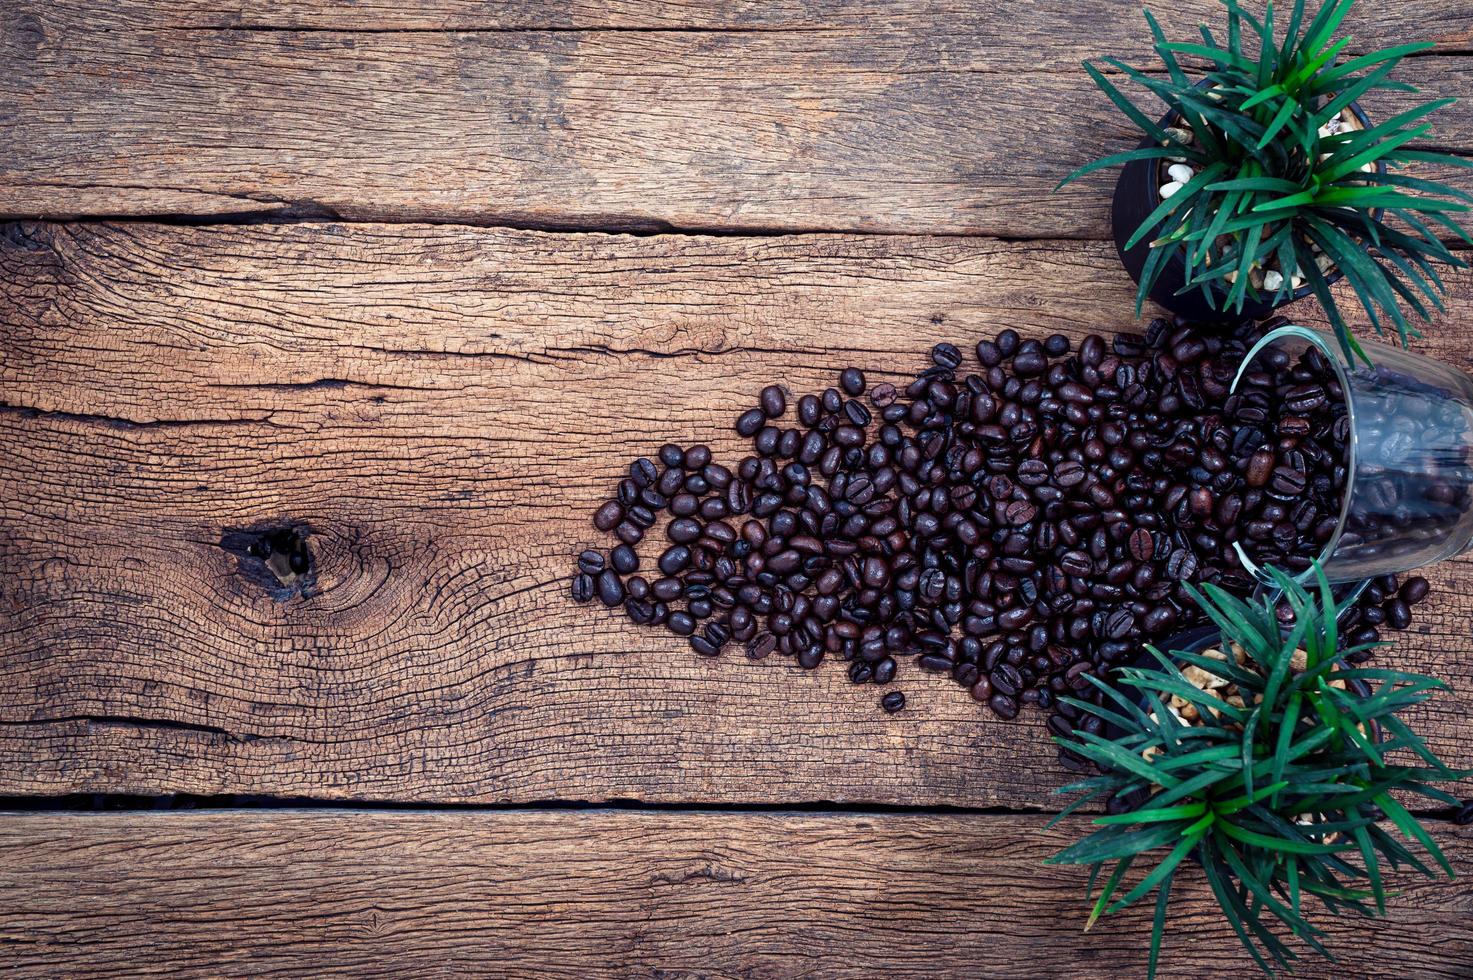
(1137, 194)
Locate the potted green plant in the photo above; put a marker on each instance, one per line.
(1265, 182)
(1267, 760)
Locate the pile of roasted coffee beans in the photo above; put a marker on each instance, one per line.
(1019, 524)
(1289, 426)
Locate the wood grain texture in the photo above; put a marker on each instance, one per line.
(1069, 27)
(582, 894)
(927, 122)
(443, 407)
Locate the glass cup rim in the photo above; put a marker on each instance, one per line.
(1351, 450)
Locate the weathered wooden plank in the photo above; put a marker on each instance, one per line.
(443, 407)
(929, 125)
(618, 893)
(1071, 29)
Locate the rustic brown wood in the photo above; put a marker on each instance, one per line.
(583, 894)
(1068, 27)
(443, 407)
(927, 122)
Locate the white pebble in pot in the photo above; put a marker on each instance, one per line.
(1180, 172)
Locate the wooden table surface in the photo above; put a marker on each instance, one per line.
(418, 278)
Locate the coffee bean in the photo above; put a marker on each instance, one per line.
(1020, 512)
(1119, 624)
(610, 588)
(642, 471)
(852, 381)
(684, 530)
(946, 356)
(773, 401)
(882, 395)
(591, 562)
(1142, 545)
(809, 410)
(1182, 565)
(761, 646)
(893, 701)
(696, 457)
(583, 587)
(1003, 706)
(1076, 563)
(1289, 482)
(667, 589)
(1069, 474)
(608, 515)
(1414, 590)
(750, 422)
(1030, 364)
(1398, 614)
(1260, 468)
(674, 558)
(624, 559)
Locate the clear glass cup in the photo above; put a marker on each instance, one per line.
(1408, 499)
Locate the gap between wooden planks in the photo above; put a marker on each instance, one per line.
(910, 117)
(442, 408)
(538, 893)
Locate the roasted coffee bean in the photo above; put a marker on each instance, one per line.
(591, 562)
(761, 646)
(643, 472)
(1414, 590)
(674, 559)
(608, 516)
(610, 588)
(583, 587)
(946, 356)
(1182, 565)
(1003, 706)
(624, 559)
(750, 422)
(1398, 614)
(684, 530)
(773, 402)
(893, 702)
(1076, 563)
(882, 395)
(852, 381)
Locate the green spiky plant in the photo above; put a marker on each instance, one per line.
(1280, 801)
(1273, 187)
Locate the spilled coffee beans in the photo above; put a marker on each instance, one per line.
(1020, 527)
